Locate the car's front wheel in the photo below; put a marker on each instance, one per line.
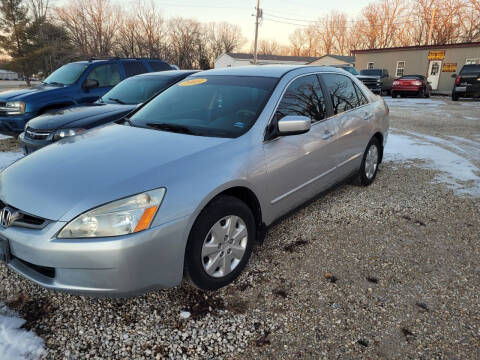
(220, 243)
(369, 166)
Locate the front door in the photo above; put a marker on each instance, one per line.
(107, 76)
(434, 70)
(300, 165)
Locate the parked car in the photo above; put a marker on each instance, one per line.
(72, 84)
(377, 80)
(118, 102)
(189, 181)
(411, 85)
(467, 82)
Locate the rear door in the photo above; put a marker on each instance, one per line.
(301, 165)
(353, 120)
(134, 67)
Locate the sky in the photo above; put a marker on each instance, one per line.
(241, 12)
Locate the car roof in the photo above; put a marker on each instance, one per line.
(94, 61)
(169, 73)
(275, 71)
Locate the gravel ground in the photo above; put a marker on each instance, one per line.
(389, 271)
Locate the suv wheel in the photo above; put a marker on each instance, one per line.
(454, 96)
(369, 166)
(220, 243)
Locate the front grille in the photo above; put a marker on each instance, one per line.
(37, 134)
(20, 218)
(370, 83)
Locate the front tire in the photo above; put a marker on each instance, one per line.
(220, 243)
(369, 166)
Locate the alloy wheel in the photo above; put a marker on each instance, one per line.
(371, 162)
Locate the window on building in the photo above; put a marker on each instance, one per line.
(370, 65)
(472, 61)
(400, 69)
(303, 97)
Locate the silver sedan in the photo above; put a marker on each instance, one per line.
(187, 184)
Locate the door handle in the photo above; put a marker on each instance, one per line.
(327, 135)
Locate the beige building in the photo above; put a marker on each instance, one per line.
(438, 62)
(334, 60)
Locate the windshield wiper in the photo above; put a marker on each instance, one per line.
(116, 100)
(171, 127)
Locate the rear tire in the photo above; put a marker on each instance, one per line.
(421, 93)
(220, 243)
(394, 94)
(454, 96)
(370, 161)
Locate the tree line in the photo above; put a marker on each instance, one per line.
(39, 37)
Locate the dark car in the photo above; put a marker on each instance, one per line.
(467, 83)
(349, 69)
(118, 102)
(72, 84)
(411, 85)
(377, 80)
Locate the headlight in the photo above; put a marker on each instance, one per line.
(15, 107)
(121, 217)
(63, 133)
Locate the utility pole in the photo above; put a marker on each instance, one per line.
(432, 22)
(258, 16)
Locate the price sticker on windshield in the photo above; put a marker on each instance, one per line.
(192, 82)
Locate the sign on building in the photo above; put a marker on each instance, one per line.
(436, 55)
(449, 67)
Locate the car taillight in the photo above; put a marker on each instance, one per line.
(396, 82)
(457, 80)
(417, 83)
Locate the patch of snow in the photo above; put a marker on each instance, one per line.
(16, 343)
(185, 314)
(413, 102)
(9, 157)
(456, 171)
(470, 118)
(4, 137)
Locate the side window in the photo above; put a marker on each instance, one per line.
(362, 100)
(342, 92)
(134, 68)
(303, 97)
(159, 66)
(107, 75)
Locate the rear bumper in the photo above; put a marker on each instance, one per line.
(406, 89)
(466, 91)
(118, 266)
(14, 125)
(30, 145)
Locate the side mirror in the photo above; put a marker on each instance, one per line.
(90, 84)
(454, 76)
(294, 125)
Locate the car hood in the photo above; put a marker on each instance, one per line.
(69, 177)
(82, 114)
(28, 93)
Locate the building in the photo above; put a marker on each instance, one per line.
(333, 60)
(439, 63)
(8, 75)
(243, 59)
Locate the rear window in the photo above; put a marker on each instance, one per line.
(134, 68)
(373, 72)
(408, 77)
(159, 66)
(470, 69)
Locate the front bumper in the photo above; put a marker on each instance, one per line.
(14, 125)
(30, 145)
(117, 266)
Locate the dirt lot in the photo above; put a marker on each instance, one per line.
(389, 271)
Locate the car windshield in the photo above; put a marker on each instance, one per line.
(470, 69)
(136, 90)
(67, 74)
(373, 72)
(351, 70)
(219, 106)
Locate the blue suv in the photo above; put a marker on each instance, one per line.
(72, 84)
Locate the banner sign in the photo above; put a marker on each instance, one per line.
(436, 55)
(449, 67)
